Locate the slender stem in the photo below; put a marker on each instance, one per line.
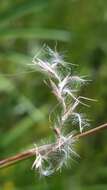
(44, 149)
(92, 131)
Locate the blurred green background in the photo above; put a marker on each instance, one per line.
(80, 29)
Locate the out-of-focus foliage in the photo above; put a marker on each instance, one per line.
(79, 27)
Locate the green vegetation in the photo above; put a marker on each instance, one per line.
(79, 28)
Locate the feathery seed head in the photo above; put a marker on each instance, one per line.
(65, 87)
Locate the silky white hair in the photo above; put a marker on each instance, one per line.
(65, 87)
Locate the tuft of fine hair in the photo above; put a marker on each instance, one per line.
(65, 87)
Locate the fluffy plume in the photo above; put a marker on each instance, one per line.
(65, 87)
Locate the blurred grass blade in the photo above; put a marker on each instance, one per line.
(22, 127)
(5, 85)
(21, 9)
(34, 115)
(95, 187)
(39, 33)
